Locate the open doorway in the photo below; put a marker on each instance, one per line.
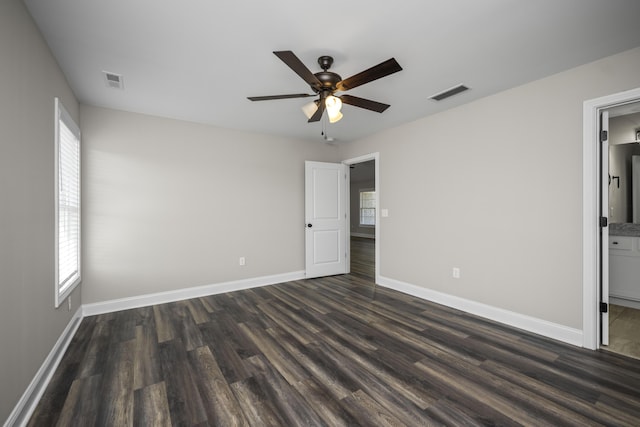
(595, 234)
(362, 207)
(364, 216)
(624, 229)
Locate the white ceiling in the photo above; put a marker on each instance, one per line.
(198, 60)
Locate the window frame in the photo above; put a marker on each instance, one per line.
(63, 290)
(360, 208)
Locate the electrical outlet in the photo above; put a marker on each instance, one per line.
(456, 273)
(242, 261)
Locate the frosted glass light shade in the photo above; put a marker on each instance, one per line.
(333, 105)
(334, 117)
(309, 109)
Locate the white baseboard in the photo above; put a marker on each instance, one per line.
(538, 326)
(625, 302)
(366, 236)
(30, 398)
(182, 294)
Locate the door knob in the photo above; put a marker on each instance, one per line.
(309, 225)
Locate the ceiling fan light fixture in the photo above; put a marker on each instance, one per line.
(310, 109)
(334, 116)
(325, 83)
(333, 104)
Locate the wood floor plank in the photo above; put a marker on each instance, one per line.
(273, 351)
(449, 413)
(184, 325)
(229, 345)
(333, 412)
(471, 391)
(255, 404)
(381, 389)
(289, 321)
(78, 410)
(292, 407)
(197, 310)
(183, 396)
(372, 367)
(602, 415)
(335, 351)
(318, 365)
(97, 351)
(164, 325)
(146, 364)
(116, 393)
(368, 412)
(220, 403)
(151, 406)
(305, 299)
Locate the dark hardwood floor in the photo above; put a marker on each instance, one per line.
(363, 255)
(331, 351)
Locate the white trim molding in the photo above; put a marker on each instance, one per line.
(531, 324)
(30, 398)
(365, 236)
(182, 294)
(590, 212)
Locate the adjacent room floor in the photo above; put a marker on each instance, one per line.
(329, 352)
(624, 331)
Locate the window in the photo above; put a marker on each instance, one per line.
(367, 208)
(67, 204)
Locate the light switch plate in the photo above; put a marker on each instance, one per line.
(384, 212)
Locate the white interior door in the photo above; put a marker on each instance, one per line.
(325, 219)
(604, 228)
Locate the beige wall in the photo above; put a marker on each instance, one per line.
(170, 204)
(501, 180)
(29, 81)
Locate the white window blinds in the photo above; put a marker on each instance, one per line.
(367, 207)
(67, 204)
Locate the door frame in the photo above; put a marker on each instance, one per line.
(364, 158)
(591, 253)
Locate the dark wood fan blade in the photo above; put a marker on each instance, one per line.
(364, 103)
(383, 69)
(296, 65)
(270, 97)
(318, 114)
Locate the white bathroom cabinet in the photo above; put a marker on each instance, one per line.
(624, 267)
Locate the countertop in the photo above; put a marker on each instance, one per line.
(624, 230)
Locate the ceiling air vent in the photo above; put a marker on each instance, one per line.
(113, 80)
(449, 92)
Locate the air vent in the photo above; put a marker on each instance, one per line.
(449, 92)
(113, 80)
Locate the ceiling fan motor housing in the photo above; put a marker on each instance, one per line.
(328, 79)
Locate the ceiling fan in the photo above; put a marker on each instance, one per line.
(326, 83)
